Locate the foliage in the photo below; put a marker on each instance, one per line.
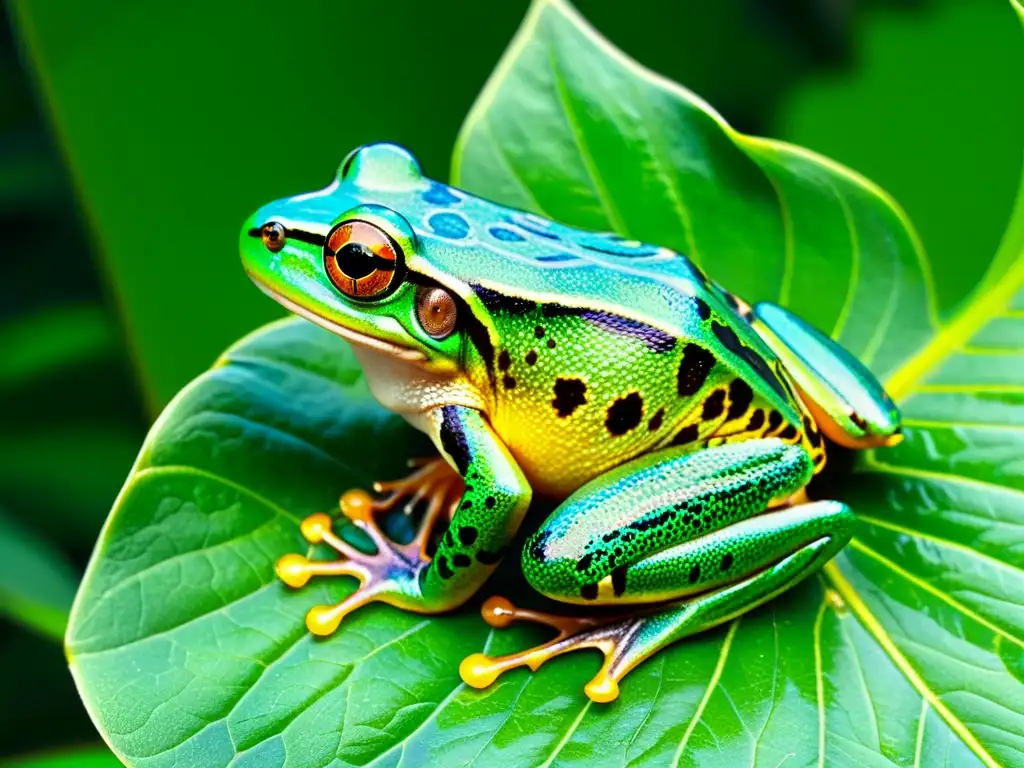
(85, 757)
(68, 423)
(907, 649)
(36, 585)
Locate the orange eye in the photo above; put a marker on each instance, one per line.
(361, 260)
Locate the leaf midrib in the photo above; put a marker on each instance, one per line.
(982, 308)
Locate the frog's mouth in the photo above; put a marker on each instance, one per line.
(355, 337)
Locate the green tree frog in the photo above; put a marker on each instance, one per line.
(676, 424)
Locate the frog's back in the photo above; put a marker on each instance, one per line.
(513, 252)
(609, 348)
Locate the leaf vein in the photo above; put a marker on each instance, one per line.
(723, 655)
(935, 591)
(955, 545)
(819, 676)
(874, 627)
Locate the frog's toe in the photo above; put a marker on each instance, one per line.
(432, 480)
(322, 620)
(296, 570)
(626, 641)
(611, 636)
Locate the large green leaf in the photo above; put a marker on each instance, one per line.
(908, 649)
(611, 146)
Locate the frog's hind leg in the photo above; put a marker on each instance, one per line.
(626, 642)
(845, 399)
(667, 527)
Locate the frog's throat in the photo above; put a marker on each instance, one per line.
(355, 337)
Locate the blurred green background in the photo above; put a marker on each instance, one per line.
(134, 138)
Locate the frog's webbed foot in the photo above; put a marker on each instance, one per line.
(435, 482)
(614, 637)
(391, 574)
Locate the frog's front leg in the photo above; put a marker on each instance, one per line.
(670, 527)
(492, 506)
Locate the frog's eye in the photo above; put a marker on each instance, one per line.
(361, 259)
(436, 310)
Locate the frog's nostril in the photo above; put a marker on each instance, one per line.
(273, 235)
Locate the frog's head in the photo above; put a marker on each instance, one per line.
(346, 258)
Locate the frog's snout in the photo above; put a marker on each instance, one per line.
(260, 237)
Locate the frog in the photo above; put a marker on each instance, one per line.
(674, 426)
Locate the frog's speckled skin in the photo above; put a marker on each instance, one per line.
(610, 373)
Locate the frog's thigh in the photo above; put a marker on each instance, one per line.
(845, 398)
(673, 524)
